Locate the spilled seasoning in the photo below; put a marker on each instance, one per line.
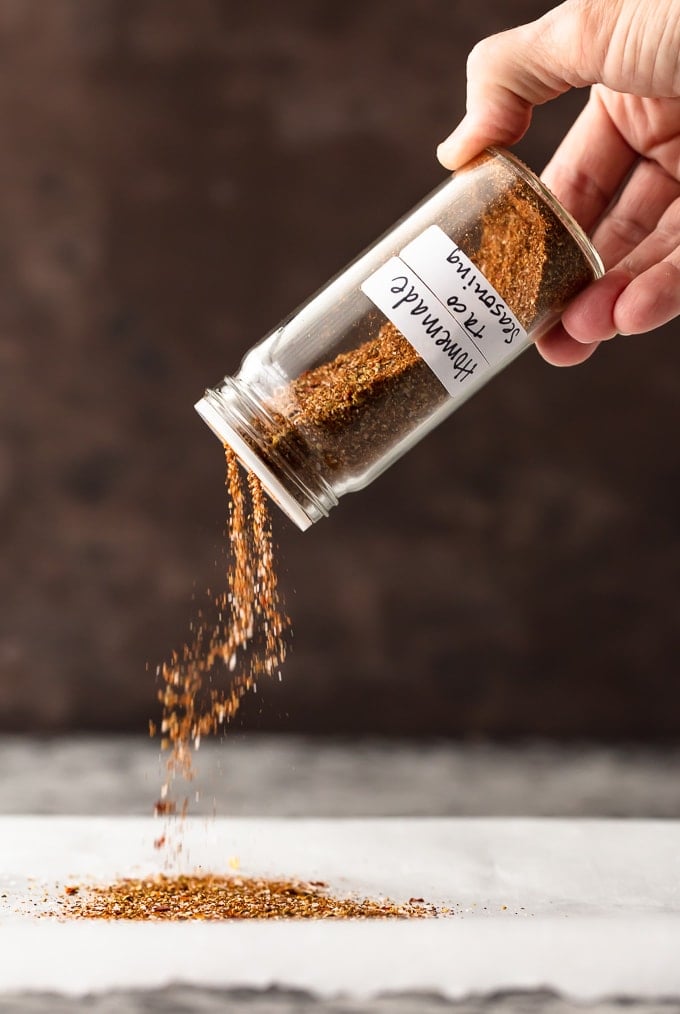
(217, 897)
(240, 636)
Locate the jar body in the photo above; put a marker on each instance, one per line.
(400, 338)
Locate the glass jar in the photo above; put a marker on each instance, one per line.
(401, 337)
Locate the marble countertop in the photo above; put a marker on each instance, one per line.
(249, 777)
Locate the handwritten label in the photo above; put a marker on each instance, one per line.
(424, 322)
(446, 309)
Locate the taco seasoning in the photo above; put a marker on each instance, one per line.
(160, 898)
(239, 636)
(403, 336)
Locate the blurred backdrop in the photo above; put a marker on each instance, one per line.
(174, 177)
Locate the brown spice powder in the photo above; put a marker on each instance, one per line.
(513, 251)
(245, 638)
(161, 898)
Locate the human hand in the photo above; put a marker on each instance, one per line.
(618, 168)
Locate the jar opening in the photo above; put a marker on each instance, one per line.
(230, 416)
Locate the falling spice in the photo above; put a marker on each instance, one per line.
(181, 898)
(240, 637)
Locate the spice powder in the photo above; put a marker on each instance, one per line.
(162, 898)
(242, 638)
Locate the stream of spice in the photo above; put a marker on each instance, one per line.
(238, 638)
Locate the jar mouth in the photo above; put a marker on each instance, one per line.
(584, 242)
(229, 417)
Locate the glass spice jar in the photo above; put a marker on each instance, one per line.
(401, 337)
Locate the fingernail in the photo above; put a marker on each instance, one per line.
(448, 149)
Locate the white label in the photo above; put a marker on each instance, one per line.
(425, 323)
(446, 309)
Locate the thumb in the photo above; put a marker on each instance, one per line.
(510, 73)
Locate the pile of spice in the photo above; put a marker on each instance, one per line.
(242, 638)
(217, 898)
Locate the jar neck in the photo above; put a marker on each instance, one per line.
(240, 419)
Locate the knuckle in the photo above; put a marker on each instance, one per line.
(627, 228)
(483, 54)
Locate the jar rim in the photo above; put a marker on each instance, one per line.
(229, 411)
(566, 218)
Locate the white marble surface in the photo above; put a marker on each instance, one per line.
(589, 909)
(250, 776)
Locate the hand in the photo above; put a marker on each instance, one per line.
(617, 170)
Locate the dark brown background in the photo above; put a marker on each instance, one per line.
(174, 177)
